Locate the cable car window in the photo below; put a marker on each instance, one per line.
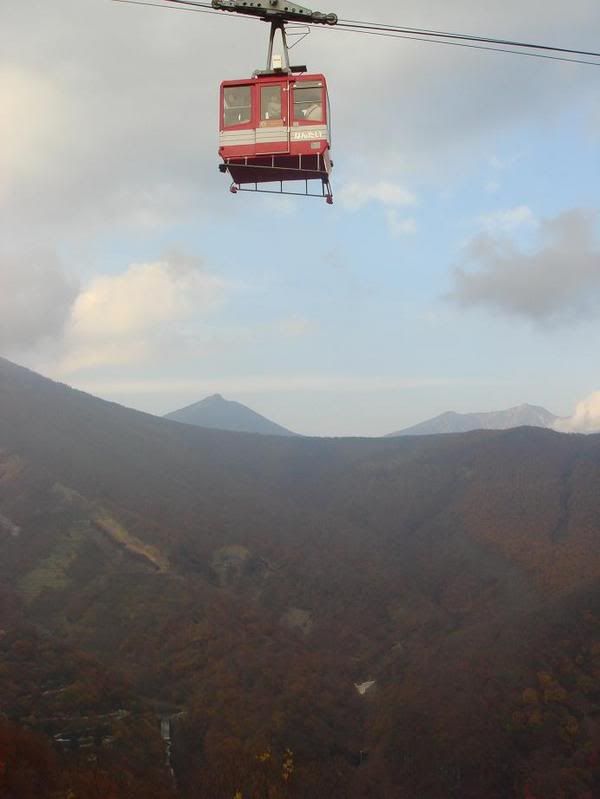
(237, 105)
(270, 103)
(308, 101)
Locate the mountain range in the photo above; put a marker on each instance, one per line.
(451, 422)
(221, 414)
(215, 412)
(240, 592)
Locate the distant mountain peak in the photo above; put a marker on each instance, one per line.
(219, 413)
(523, 415)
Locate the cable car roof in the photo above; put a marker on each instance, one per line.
(277, 77)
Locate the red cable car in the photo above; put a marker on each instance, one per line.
(275, 127)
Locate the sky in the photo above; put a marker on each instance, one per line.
(459, 268)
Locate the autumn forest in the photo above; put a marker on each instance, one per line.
(194, 614)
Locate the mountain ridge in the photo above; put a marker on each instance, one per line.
(523, 415)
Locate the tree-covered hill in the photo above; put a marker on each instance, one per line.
(250, 583)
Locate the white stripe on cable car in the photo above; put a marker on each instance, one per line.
(251, 139)
(238, 137)
(261, 135)
(270, 135)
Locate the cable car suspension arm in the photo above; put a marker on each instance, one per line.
(278, 13)
(278, 25)
(276, 10)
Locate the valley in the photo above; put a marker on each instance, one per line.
(404, 617)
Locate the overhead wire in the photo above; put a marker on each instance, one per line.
(373, 26)
(429, 36)
(199, 8)
(473, 46)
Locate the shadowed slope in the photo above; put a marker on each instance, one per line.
(253, 580)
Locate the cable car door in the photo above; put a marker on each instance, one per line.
(273, 132)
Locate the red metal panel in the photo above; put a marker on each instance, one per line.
(265, 162)
(306, 148)
(239, 151)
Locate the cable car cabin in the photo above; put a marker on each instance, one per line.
(275, 128)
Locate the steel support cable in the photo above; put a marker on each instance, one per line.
(193, 3)
(199, 8)
(385, 28)
(411, 34)
(373, 26)
(473, 46)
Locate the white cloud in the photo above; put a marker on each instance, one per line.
(557, 282)
(586, 418)
(32, 125)
(355, 196)
(36, 296)
(507, 221)
(118, 319)
(390, 196)
(99, 134)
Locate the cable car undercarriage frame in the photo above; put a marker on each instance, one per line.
(301, 153)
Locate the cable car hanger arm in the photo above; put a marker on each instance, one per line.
(268, 10)
(278, 13)
(276, 10)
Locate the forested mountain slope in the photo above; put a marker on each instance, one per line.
(247, 583)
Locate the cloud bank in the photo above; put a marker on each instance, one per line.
(507, 221)
(390, 196)
(356, 195)
(125, 318)
(36, 297)
(586, 418)
(557, 282)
